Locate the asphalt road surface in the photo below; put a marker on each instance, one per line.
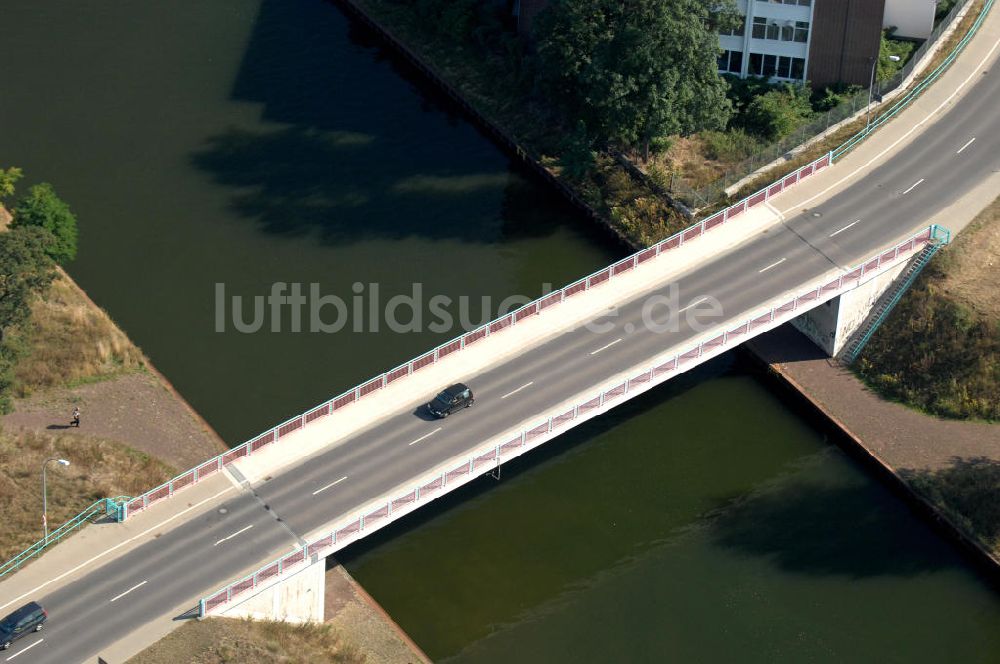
(957, 153)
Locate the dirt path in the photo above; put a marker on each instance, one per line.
(136, 409)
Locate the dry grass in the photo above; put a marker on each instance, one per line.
(70, 340)
(98, 469)
(227, 640)
(973, 261)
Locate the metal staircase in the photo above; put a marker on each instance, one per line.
(889, 300)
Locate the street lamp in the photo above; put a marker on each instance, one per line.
(871, 88)
(45, 497)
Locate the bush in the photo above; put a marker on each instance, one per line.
(731, 146)
(831, 97)
(43, 209)
(778, 113)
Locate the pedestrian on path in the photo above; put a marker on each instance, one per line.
(76, 417)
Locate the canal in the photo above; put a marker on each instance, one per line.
(250, 142)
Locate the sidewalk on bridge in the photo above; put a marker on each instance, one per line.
(100, 543)
(979, 55)
(408, 392)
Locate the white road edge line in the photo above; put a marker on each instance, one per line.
(34, 591)
(241, 530)
(775, 264)
(330, 485)
(513, 392)
(913, 186)
(138, 585)
(693, 304)
(966, 145)
(426, 435)
(844, 228)
(606, 347)
(26, 649)
(975, 72)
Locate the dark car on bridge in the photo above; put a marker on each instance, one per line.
(27, 619)
(453, 398)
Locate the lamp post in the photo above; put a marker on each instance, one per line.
(871, 89)
(45, 497)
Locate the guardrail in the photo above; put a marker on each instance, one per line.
(909, 97)
(490, 455)
(105, 506)
(248, 448)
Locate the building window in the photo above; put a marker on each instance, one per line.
(801, 31)
(731, 62)
(776, 66)
(762, 29)
(800, 3)
(735, 32)
(787, 31)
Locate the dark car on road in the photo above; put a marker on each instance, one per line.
(453, 398)
(29, 618)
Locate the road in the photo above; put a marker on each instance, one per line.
(957, 153)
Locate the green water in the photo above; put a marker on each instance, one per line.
(246, 142)
(700, 523)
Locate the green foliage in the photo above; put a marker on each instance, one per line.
(42, 208)
(632, 72)
(892, 47)
(967, 491)
(943, 7)
(776, 114)
(733, 145)
(951, 365)
(833, 96)
(9, 178)
(25, 271)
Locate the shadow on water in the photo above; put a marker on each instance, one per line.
(536, 460)
(341, 161)
(805, 527)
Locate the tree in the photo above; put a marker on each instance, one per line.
(42, 208)
(8, 178)
(631, 71)
(778, 113)
(25, 271)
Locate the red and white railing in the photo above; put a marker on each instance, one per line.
(459, 471)
(194, 475)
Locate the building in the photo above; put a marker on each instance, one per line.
(821, 41)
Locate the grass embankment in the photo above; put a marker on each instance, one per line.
(940, 349)
(69, 341)
(225, 640)
(939, 352)
(98, 469)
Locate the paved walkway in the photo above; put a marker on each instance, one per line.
(905, 439)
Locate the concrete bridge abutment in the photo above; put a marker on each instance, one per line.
(833, 324)
(294, 598)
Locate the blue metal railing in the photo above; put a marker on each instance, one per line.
(103, 507)
(910, 96)
(939, 237)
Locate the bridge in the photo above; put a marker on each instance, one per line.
(246, 533)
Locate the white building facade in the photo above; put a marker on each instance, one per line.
(773, 41)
